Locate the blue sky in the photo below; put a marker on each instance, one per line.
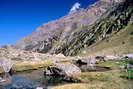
(19, 18)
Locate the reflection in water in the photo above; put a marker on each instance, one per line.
(88, 68)
(36, 78)
(30, 80)
(5, 78)
(19, 82)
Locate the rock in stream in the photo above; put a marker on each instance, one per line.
(62, 69)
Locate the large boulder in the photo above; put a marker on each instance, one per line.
(129, 66)
(85, 61)
(61, 69)
(129, 56)
(6, 64)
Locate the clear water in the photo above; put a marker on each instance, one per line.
(35, 78)
(31, 80)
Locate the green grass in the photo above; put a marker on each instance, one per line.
(100, 80)
(128, 61)
(112, 79)
(116, 44)
(28, 65)
(112, 63)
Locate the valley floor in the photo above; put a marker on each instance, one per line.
(112, 79)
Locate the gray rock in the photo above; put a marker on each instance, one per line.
(129, 56)
(62, 69)
(22, 55)
(129, 66)
(88, 61)
(2, 80)
(100, 58)
(42, 39)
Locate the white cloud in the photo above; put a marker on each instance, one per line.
(75, 7)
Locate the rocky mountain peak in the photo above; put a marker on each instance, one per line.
(56, 32)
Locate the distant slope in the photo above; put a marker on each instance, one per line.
(112, 22)
(103, 28)
(44, 38)
(116, 44)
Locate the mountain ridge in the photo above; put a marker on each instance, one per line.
(47, 36)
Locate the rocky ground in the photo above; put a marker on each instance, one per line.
(110, 70)
(26, 60)
(80, 29)
(116, 78)
(97, 49)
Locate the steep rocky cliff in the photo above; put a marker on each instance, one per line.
(79, 29)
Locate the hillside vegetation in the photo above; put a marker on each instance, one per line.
(116, 44)
(111, 23)
(81, 29)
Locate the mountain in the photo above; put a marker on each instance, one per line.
(80, 29)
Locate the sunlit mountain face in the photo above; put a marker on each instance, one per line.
(21, 17)
(66, 44)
